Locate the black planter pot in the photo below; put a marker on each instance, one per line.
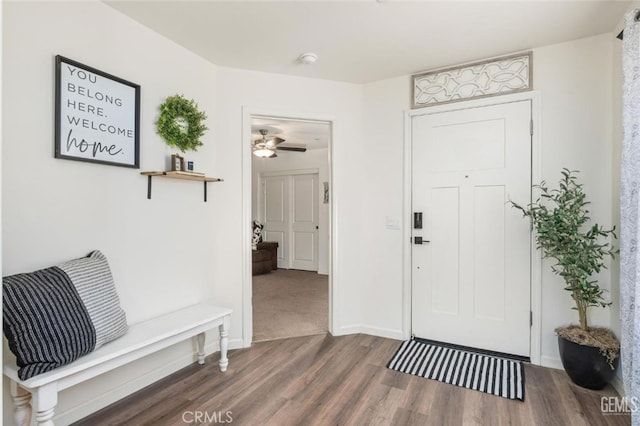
(585, 365)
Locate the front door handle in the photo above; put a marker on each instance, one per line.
(419, 240)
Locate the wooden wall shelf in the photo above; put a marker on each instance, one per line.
(180, 175)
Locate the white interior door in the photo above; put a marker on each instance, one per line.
(290, 206)
(304, 222)
(471, 281)
(276, 215)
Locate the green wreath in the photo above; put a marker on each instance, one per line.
(180, 123)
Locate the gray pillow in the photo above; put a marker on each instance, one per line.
(53, 316)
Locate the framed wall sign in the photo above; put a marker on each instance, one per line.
(97, 116)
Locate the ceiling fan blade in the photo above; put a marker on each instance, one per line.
(274, 140)
(291, 148)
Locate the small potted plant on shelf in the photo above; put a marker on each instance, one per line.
(564, 233)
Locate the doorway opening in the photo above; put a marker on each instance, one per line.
(290, 217)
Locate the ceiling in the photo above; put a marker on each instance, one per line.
(313, 134)
(367, 40)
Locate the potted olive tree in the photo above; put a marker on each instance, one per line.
(579, 249)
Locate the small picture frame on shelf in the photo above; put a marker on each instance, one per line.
(190, 166)
(177, 163)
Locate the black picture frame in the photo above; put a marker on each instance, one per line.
(97, 116)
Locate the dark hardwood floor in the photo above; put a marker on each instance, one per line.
(325, 380)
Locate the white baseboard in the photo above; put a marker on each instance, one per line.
(373, 331)
(382, 332)
(347, 329)
(551, 362)
(109, 397)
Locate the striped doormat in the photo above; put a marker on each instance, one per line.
(484, 373)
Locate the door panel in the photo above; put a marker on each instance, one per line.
(460, 152)
(471, 282)
(305, 222)
(279, 237)
(275, 200)
(304, 199)
(276, 216)
(444, 273)
(489, 265)
(304, 243)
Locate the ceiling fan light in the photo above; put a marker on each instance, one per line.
(263, 152)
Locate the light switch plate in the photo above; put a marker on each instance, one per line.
(392, 222)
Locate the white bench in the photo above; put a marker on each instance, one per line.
(141, 339)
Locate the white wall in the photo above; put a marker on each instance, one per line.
(574, 80)
(384, 106)
(290, 97)
(58, 209)
(173, 250)
(288, 161)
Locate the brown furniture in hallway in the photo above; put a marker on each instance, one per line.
(265, 258)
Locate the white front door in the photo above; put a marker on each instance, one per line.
(290, 206)
(304, 222)
(471, 275)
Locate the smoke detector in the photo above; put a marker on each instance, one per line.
(308, 58)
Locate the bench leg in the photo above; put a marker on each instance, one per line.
(224, 343)
(201, 354)
(45, 399)
(21, 405)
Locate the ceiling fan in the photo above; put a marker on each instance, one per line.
(266, 147)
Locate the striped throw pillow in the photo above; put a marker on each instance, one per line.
(53, 316)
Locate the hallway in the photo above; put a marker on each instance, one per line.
(289, 303)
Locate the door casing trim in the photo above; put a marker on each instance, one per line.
(334, 288)
(536, 176)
